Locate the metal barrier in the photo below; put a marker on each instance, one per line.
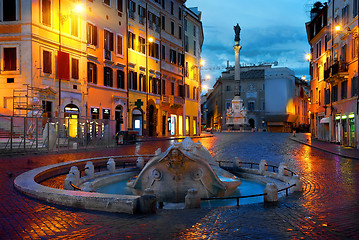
(26, 134)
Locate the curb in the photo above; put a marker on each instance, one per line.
(324, 150)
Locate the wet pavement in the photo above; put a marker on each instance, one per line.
(328, 208)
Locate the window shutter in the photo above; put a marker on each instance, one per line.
(94, 80)
(94, 35)
(111, 41)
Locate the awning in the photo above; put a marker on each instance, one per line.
(325, 120)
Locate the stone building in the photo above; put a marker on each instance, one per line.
(268, 95)
(333, 36)
(131, 62)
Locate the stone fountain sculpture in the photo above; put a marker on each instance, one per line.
(182, 167)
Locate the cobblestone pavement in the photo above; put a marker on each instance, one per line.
(328, 208)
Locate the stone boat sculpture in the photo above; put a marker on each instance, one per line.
(184, 166)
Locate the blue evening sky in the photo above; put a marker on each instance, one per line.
(272, 30)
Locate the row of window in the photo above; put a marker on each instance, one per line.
(137, 82)
(333, 94)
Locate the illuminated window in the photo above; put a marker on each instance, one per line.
(187, 125)
(74, 25)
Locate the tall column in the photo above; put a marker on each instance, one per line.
(237, 68)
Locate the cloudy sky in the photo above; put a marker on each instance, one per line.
(272, 30)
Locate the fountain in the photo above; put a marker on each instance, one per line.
(184, 166)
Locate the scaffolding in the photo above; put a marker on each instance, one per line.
(26, 103)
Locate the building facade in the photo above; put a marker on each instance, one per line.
(110, 60)
(269, 96)
(333, 36)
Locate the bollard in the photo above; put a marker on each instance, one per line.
(74, 146)
(192, 199)
(282, 170)
(263, 166)
(236, 163)
(88, 187)
(298, 184)
(148, 202)
(293, 133)
(272, 193)
(140, 162)
(111, 165)
(89, 169)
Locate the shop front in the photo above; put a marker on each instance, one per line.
(71, 114)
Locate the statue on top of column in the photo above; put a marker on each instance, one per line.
(237, 31)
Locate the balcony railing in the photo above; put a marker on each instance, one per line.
(108, 55)
(338, 68)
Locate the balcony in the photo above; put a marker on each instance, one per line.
(338, 70)
(164, 99)
(176, 102)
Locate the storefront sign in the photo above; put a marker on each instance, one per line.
(106, 113)
(95, 110)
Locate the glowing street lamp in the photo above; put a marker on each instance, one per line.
(308, 57)
(202, 62)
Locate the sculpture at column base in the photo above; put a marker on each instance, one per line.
(236, 118)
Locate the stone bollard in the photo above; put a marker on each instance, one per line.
(111, 165)
(89, 169)
(282, 170)
(74, 146)
(192, 199)
(148, 202)
(88, 187)
(263, 166)
(272, 193)
(236, 163)
(298, 184)
(73, 177)
(140, 162)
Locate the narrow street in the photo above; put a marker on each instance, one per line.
(327, 208)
